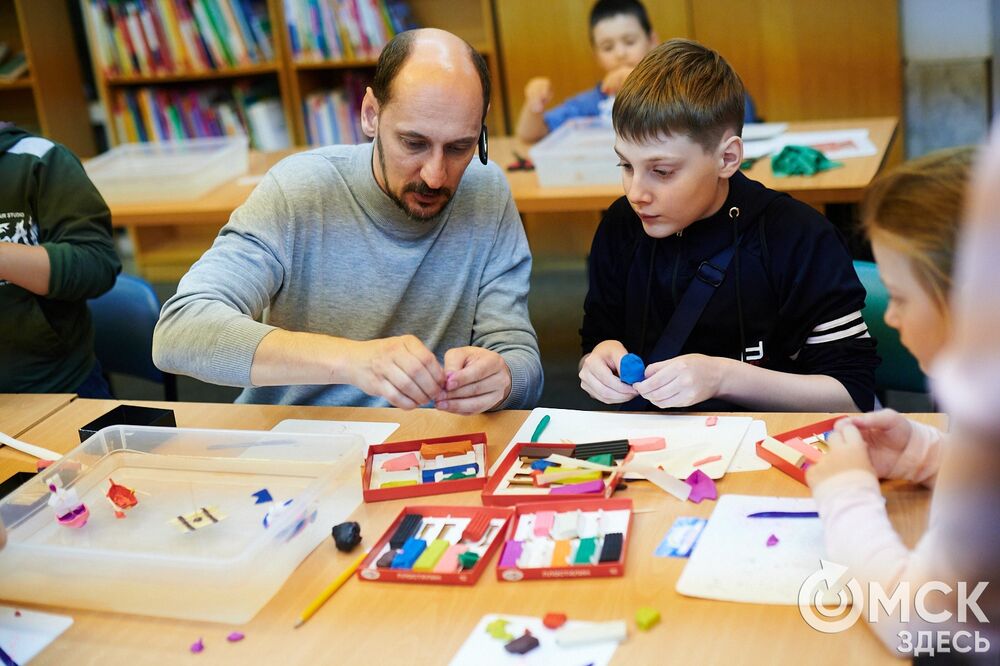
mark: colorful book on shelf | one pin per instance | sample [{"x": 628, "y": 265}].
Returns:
[{"x": 14, "y": 67}]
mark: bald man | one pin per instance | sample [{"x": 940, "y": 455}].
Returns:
[{"x": 390, "y": 273}]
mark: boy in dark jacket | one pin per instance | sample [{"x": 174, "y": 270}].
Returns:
[
  {"x": 56, "y": 251},
  {"x": 774, "y": 316}
]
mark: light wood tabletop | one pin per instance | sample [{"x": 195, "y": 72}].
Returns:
[
  {"x": 168, "y": 236},
  {"x": 377, "y": 623},
  {"x": 20, "y": 411},
  {"x": 844, "y": 184}
]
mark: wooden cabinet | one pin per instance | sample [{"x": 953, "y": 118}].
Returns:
[{"x": 49, "y": 99}]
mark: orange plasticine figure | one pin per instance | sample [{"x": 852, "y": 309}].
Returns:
[{"x": 121, "y": 498}]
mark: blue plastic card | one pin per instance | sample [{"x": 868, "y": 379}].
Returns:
[{"x": 683, "y": 535}]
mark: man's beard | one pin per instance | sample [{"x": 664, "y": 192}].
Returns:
[{"x": 418, "y": 188}]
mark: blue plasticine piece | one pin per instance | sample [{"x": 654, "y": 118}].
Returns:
[
  {"x": 542, "y": 464},
  {"x": 631, "y": 369},
  {"x": 412, "y": 549},
  {"x": 262, "y": 496},
  {"x": 428, "y": 475}
]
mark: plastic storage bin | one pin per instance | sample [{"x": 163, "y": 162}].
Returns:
[
  {"x": 146, "y": 563},
  {"x": 580, "y": 152},
  {"x": 170, "y": 170}
]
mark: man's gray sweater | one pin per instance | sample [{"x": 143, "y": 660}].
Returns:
[{"x": 319, "y": 247}]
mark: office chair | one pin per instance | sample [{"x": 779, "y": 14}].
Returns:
[
  {"x": 124, "y": 318},
  {"x": 899, "y": 371}
]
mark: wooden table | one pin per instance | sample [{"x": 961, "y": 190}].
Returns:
[
  {"x": 168, "y": 237},
  {"x": 376, "y": 623},
  {"x": 841, "y": 185},
  {"x": 20, "y": 411}
]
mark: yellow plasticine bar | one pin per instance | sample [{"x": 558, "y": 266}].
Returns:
[
  {"x": 568, "y": 476},
  {"x": 561, "y": 552},
  {"x": 429, "y": 558},
  {"x": 783, "y": 451},
  {"x": 432, "y": 451},
  {"x": 397, "y": 484}
]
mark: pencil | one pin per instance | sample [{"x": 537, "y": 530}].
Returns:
[
  {"x": 330, "y": 589},
  {"x": 540, "y": 428}
]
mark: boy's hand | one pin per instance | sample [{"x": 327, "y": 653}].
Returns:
[
  {"x": 599, "y": 374},
  {"x": 887, "y": 433},
  {"x": 538, "y": 94},
  {"x": 614, "y": 79},
  {"x": 476, "y": 380},
  {"x": 682, "y": 381},
  {"x": 848, "y": 452}
]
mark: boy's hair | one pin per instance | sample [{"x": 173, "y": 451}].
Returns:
[
  {"x": 916, "y": 208},
  {"x": 605, "y": 9},
  {"x": 680, "y": 87}
]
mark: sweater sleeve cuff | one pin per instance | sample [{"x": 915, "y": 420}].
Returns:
[
  {"x": 523, "y": 394},
  {"x": 919, "y": 461},
  {"x": 234, "y": 351}
]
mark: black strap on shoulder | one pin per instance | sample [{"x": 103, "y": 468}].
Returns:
[{"x": 709, "y": 276}]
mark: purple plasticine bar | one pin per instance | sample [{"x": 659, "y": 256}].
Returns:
[
  {"x": 543, "y": 523},
  {"x": 399, "y": 463},
  {"x": 596, "y": 486},
  {"x": 511, "y": 553}
]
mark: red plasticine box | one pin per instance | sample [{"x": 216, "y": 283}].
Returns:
[
  {"x": 443, "y": 530},
  {"x": 494, "y": 492},
  {"x": 421, "y": 489},
  {"x": 605, "y": 522},
  {"x": 797, "y": 445}
]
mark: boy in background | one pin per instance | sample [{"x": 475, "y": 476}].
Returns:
[
  {"x": 56, "y": 251},
  {"x": 773, "y": 318},
  {"x": 620, "y": 35}
]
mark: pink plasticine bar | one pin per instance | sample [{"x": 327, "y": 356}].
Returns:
[
  {"x": 574, "y": 488},
  {"x": 400, "y": 463},
  {"x": 811, "y": 454},
  {"x": 543, "y": 523},
  {"x": 449, "y": 561},
  {"x": 705, "y": 461},
  {"x": 647, "y": 444},
  {"x": 711, "y": 421}
]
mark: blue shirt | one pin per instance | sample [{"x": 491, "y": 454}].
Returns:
[{"x": 587, "y": 104}]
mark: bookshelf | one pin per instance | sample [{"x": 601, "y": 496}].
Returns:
[
  {"x": 49, "y": 99},
  {"x": 293, "y": 79}
]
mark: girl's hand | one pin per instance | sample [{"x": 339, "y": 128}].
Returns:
[{"x": 848, "y": 451}]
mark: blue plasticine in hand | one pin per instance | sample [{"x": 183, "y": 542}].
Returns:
[{"x": 631, "y": 369}]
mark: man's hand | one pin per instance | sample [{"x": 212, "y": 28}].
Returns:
[
  {"x": 848, "y": 451},
  {"x": 538, "y": 94},
  {"x": 476, "y": 380},
  {"x": 614, "y": 79},
  {"x": 682, "y": 381},
  {"x": 599, "y": 374},
  {"x": 401, "y": 369}
]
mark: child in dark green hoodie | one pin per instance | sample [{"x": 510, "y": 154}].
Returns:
[{"x": 56, "y": 251}]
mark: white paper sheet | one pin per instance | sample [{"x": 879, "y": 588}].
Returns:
[
  {"x": 481, "y": 649},
  {"x": 732, "y": 561},
  {"x": 24, "y": 636},
  {"x": 746, "y": 458},
  {"x": 835, "y": 144},
  {"x": 688, "y": 438}
]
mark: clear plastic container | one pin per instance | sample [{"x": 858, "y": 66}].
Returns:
[
  {"x": 146, "y": 562},
  {"x": 580, "y": 152},
  {"x": 169, "y": 170}
]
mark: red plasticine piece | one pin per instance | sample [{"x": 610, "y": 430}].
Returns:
[
  {"x": 554, "y": 620},
  {"x": 476, "y": 527},
  {"x": 705, "y": 461}
]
